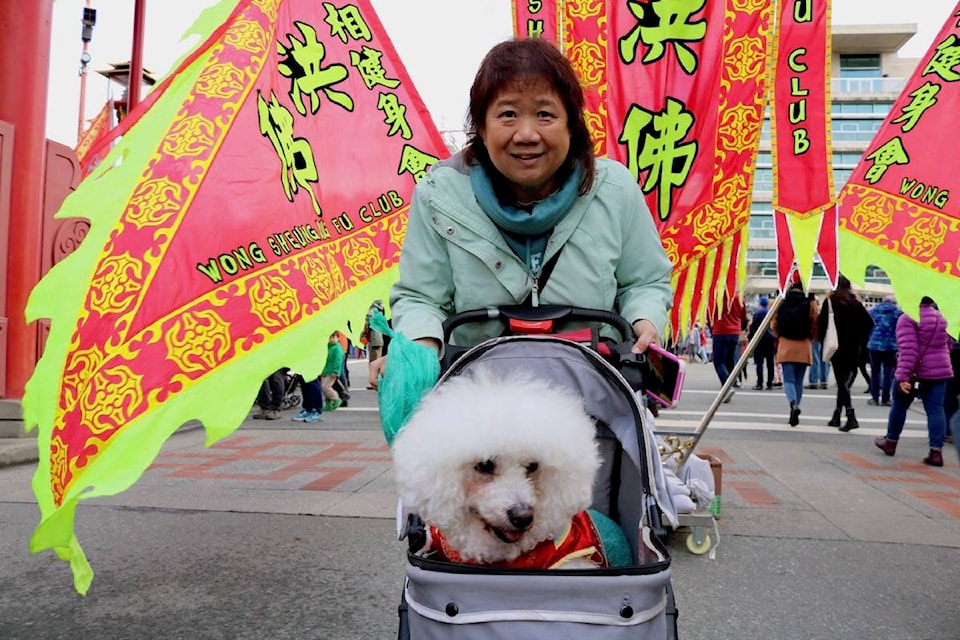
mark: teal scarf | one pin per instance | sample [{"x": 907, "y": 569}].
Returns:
[{"x": 526, "y": 231}]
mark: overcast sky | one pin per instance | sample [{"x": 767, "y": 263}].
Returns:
[{"x": 441, "y": 43}]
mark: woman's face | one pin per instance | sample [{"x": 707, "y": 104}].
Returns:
[{"x": 526, "y": 134}]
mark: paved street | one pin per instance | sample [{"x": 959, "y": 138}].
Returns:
[{"x": 285, "y": 530}]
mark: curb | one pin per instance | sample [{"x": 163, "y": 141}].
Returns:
[{"x": 15, "y": 451}]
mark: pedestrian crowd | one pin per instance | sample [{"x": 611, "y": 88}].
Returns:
[
  {"x": 284, "y": 389},
  {"x": 901, "y": 356}
]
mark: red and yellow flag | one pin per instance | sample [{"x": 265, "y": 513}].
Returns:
[
  {"x": 676, "y": 92},
  {"x": 256, "y": 206},
  {"x": 99, "y": 127},
  {"x": 900, "y": 210},
  {"x": 803, "y": 199}
]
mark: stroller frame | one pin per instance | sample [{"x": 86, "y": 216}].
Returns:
[{"x": 447, "y": 600}]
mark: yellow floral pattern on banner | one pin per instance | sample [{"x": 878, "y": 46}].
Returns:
[
  {"x": 117, "y": 281},
  {"x": 585, "y": 45},
  {"x": 583, "y": 9},
  {"x": 154, "y": 202},
  {"x": 81, "y": 363},
  {"x": 923, "y": 236},
  {"x": 198, "y": 341},
  {"x": 274, "y": 302},
  {"x": 192, "y": 136},
  {"x": 747, "y": 56},
  {"x": 220, "y": 82},
  {"x": 110, "y": 398}
]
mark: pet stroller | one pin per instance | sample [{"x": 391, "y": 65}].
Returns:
[
  {"x": 446, "y": 600},
  {"x": 291, "y": 382}
]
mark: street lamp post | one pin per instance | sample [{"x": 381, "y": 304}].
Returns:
[{"x": 86, "y": 35}]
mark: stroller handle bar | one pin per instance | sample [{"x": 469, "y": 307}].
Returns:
[{"x": 541, "y": 314}]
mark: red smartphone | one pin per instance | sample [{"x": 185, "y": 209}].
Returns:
[{"x": 665, "y": 381}]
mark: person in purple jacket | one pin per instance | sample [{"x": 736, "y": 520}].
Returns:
[{"x": 925, "y": 358}]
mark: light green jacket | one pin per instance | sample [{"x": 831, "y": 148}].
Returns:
[{"x": 455, "y": 259}]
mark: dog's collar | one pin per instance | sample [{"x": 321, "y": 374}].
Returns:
[{"x": 580, "y": 540}]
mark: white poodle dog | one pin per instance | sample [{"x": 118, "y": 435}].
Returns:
[{"x": 496, "y": 466}]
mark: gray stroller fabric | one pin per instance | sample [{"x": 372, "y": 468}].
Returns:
[
  {"x": 449, "y": 601},
  {"x": 550, "y": 606}
]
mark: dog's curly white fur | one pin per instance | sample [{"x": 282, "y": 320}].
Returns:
[{"x": 497, "y": 464}]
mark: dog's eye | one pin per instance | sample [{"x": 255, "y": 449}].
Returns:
[
  {"x": 532, "y": 467},
  {"x": 486, "y": 467}
]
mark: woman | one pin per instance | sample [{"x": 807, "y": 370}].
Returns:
[
  {"x": 854, "y": 325},
  {"x": 795, "y": 325},
  {"x": 526, "y": 213},
  {"x": 373, "y": 338},
  {"x": 924, "y": 357},
  {"x": 764, "y": 352},
  {"x": 819, "y": 369},
  {"x": 882, "y": 347}
]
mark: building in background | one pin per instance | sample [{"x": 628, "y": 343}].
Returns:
[{"x": 867, "y": 77}]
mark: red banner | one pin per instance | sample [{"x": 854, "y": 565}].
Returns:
[
  {"x": 99, "y": 130},
  {"x": 255, "y": 212},
  {"x": 800, "y": 110},
  {"x": 538, "y": 19},
  {"x": 675, "y": 91},
  {"x": 800, "y": 130},
  {"x": 686, "y": 87},
  {"x": 99, "y": 125},
  {"x": 900, "y": 209},
  {"x": 584, "y": 29}
]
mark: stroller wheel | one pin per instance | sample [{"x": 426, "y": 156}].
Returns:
[{"x": 699, "y": 548}]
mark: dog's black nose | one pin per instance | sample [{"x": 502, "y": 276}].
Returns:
[{"x": 520, "y": 515}]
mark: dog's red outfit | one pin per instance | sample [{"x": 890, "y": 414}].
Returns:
[{"x": 580, "y": 540}]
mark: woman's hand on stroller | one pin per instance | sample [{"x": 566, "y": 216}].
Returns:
[
  {"x": 646, "y": 334},
  {"x": 378, "y": 367}
]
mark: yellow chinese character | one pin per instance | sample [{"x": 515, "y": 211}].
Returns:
[
  {"x": 923, "y": 98},
  {"x": 303, "y": 65},
  {"x": 655, "y": 143},
  {"x": 415, "y": 162},
  {"x": 394, "y": 115},
  {"x": 368, "y": 63},
  {"x": 296, "y": 154},
  {"x": 945, "y": 59},
  {"x": 662, "y": 22},
  {"x": 346, "y": 21},
  {"x": 890, "y": 152}
]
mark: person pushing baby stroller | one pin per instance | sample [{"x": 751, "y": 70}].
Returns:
[{"x": 529, "y": 216}]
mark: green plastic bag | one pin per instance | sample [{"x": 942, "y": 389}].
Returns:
[{"x": 412, "y": 371}]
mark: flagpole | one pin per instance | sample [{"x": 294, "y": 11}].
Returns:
[
  {"x": 136, "y": 58},
  {"x": 681, "y": 443}
]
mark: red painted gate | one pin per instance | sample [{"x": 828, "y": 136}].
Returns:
[{"x": 59, "y": 237}]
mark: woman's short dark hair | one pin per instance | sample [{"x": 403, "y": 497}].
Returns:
[{"x": 528, "y": 61}]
